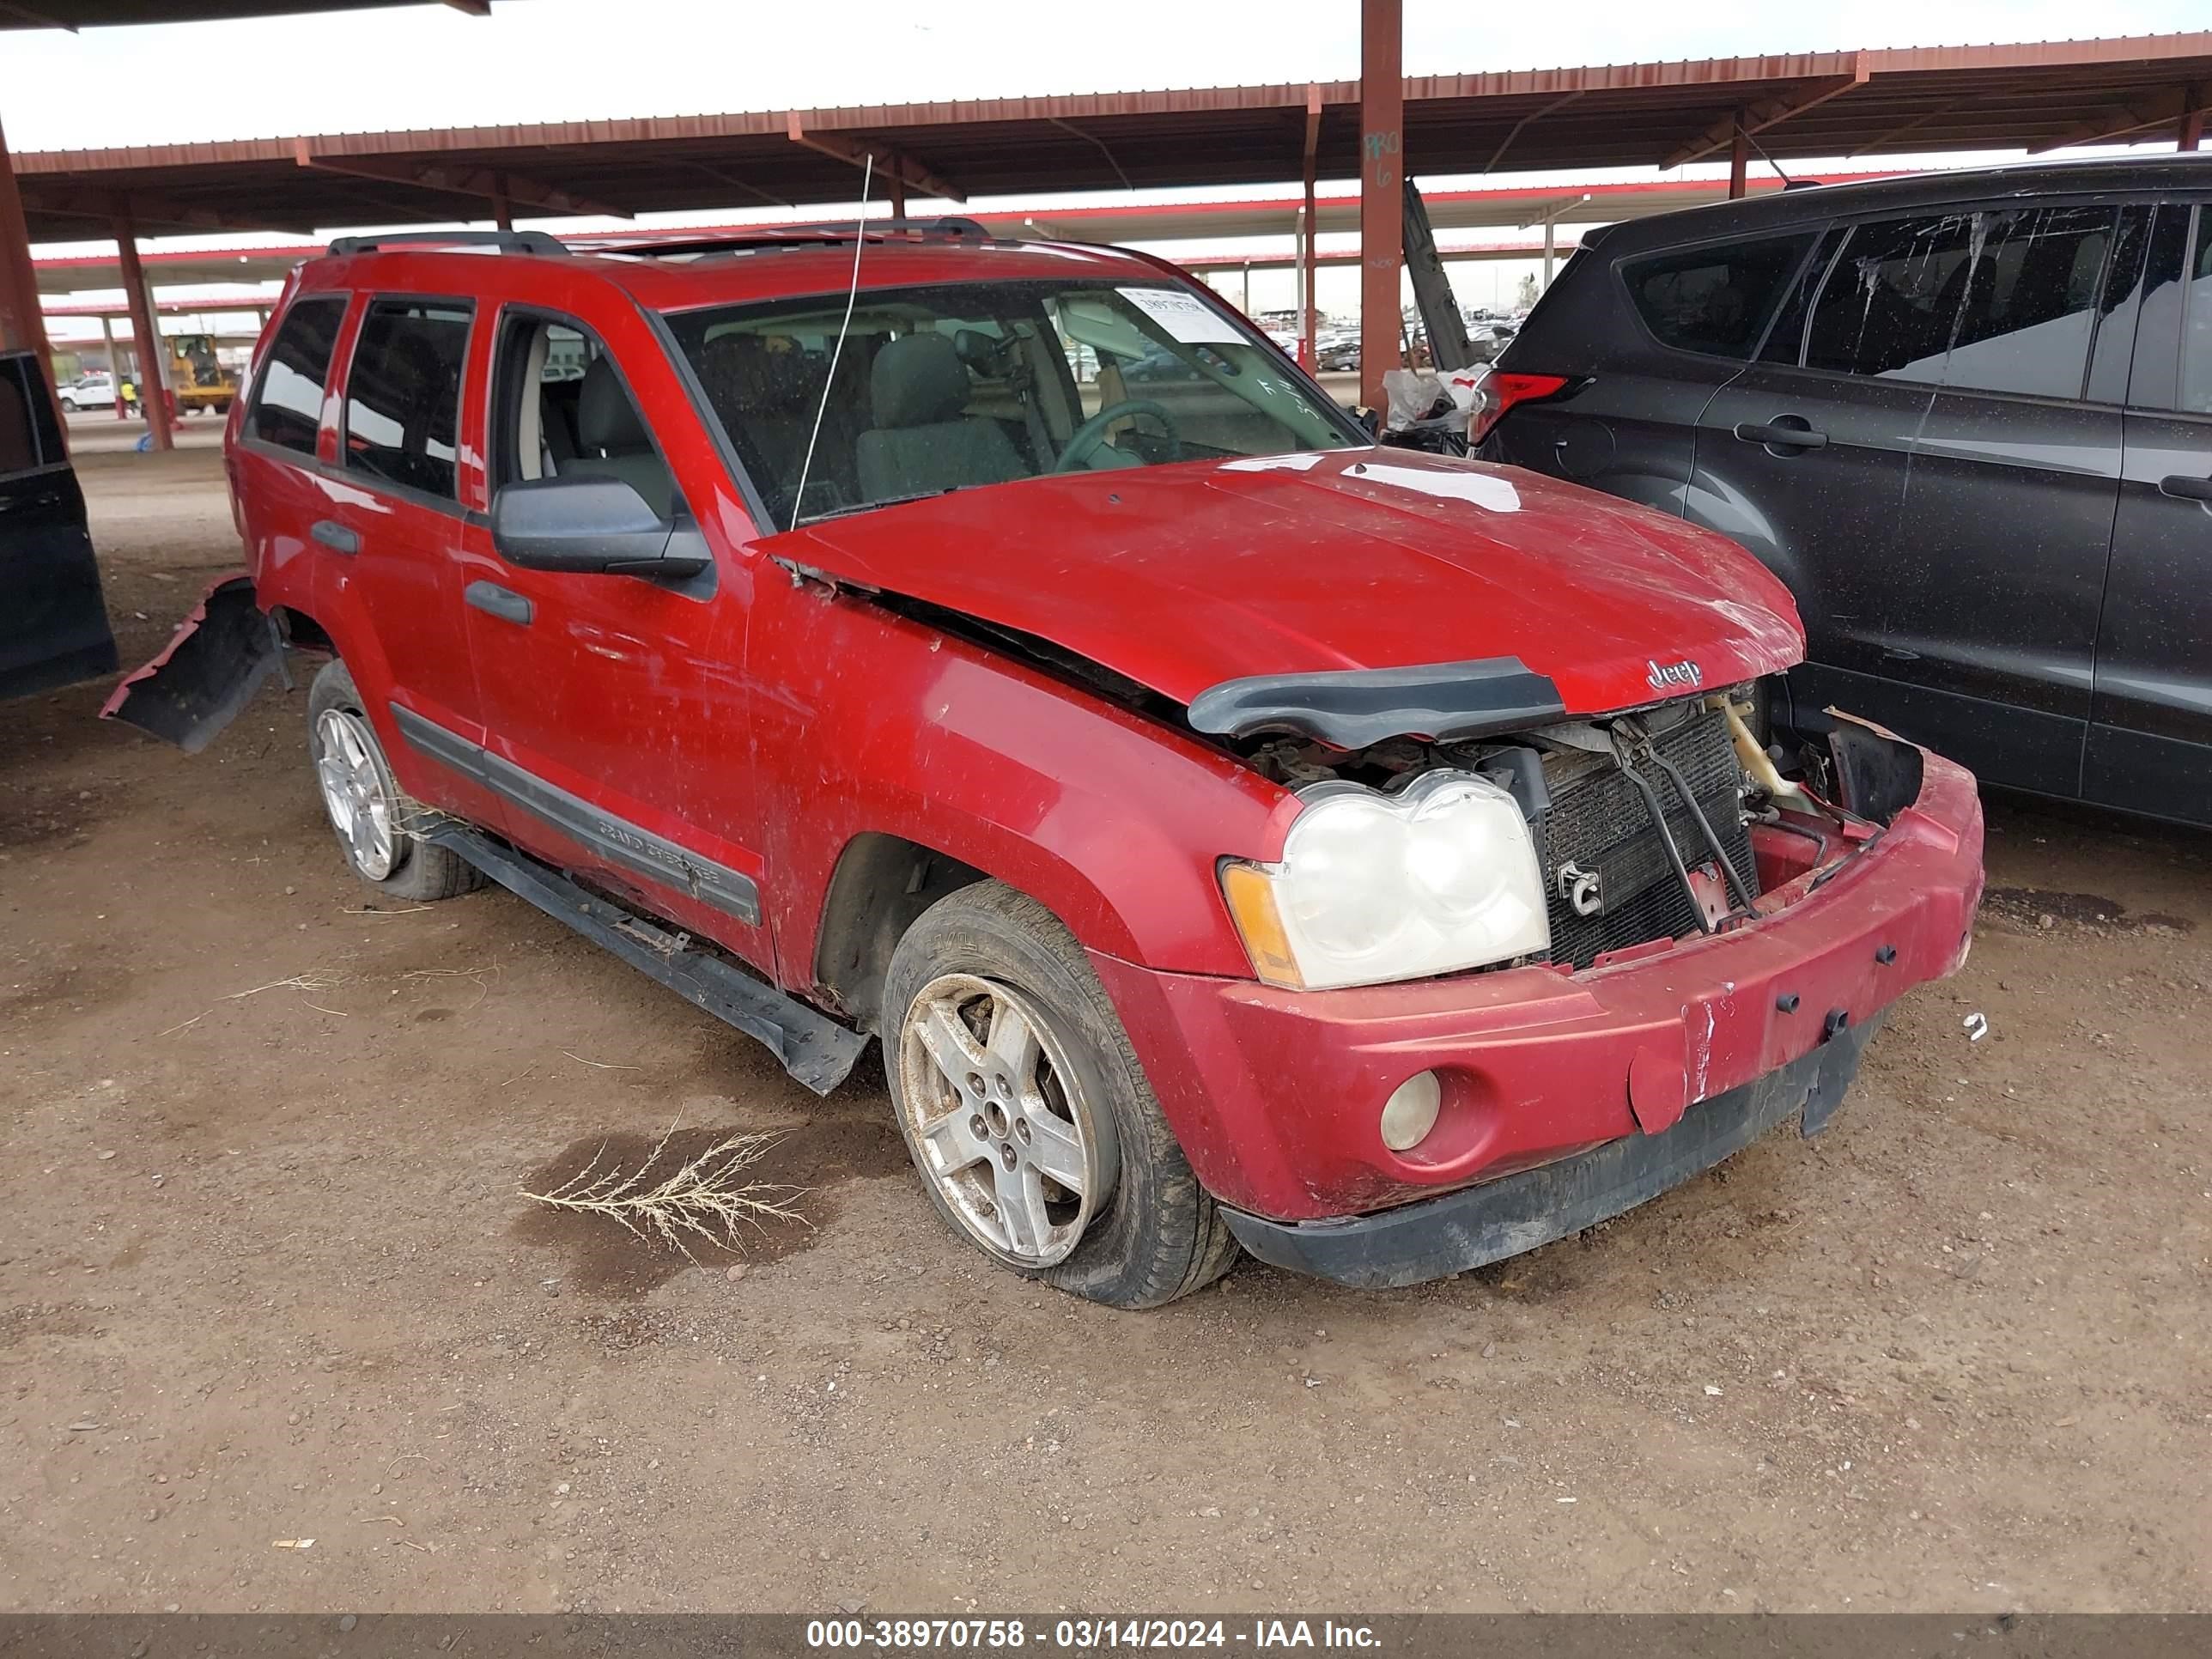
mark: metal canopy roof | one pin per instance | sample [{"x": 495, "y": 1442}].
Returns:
[
  {"x": 1519, "y": 208},
  {"x": 2039, "y": 95},
  {"x": 101, "y": 14}
]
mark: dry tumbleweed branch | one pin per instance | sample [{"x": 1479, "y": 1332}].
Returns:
[
  {"x": 314, "y": 980},
  {"x": 704, "y": 1199}
]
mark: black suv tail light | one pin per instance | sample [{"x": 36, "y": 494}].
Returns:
[{"x": 1498, "y": 393}]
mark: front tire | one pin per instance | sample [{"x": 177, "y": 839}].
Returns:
[
  {"x": 1035, "y": 1133},
  {"x": 376, "y": 823}
]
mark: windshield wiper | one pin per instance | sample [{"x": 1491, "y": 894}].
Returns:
[{"x": 887, "y": 500}]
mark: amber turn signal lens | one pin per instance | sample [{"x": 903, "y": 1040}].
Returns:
[{"x": 1251, "y": 898}]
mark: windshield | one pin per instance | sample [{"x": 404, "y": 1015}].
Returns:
[{"x": 954, "y": 386}]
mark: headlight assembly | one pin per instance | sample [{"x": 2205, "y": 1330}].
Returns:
[{"x": 1439, "y": 877}]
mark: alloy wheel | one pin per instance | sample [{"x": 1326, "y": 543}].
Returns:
[
  {"x": 356, "y": 792},
  {"x": 1001, "y": 1123}
]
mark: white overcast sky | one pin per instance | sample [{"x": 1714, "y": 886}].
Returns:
[{"x": 558, "y": 60}]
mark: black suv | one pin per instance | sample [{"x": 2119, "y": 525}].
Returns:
[
  {"x": 53, "y": 621},
  {"x": 1967, "y": 418}
]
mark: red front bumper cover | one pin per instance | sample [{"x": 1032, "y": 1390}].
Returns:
[{"x": 1276, "y": 1095}]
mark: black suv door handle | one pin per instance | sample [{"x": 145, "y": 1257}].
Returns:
[
  {"x": 335, "y": 536},
  {"x": 501, "y": 602},
  {"x": 1788, "y": 433},
  {"x": 2188, "y": 489}
]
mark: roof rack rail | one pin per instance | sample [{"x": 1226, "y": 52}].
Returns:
[
  {"x": 950, "y": 229},
  {"x": 507, "y": 242}
]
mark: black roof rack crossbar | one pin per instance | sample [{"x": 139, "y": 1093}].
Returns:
[
  {"x": 507, "y": 242},
  {"x": 951, "y": 228}
]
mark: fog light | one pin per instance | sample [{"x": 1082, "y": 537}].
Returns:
[{"x": 1411, "y": 1111}]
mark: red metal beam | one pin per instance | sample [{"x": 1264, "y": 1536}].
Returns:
[
  {"x": 1771, "y": 112},
  {"x": 1381, "y": 199},
  {"x": 1739, "y": 160},
  {"x": 145, "y": 336},
  {"x": 2171, "y": 109},
  {"x": 103, "y": 205},
  {"x": 893, "y": 164},
  {"x": 1531, "y": 118},
  {"x": 502, "y": 189}
]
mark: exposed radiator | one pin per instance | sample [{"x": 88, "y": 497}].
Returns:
[{"x": 1600, "y": 824}]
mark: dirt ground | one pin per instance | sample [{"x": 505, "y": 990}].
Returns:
[{"x": 265, "y": 1275}]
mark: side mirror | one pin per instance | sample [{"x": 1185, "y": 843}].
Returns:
[
  {"x": 1372, "y": 420},
  {"x": 590, "y": 526}
]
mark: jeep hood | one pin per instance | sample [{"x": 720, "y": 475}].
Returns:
[{"x": 1314, "y": 567}]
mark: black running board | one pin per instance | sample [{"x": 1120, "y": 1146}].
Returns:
[{"x": 814, "y": 1048}]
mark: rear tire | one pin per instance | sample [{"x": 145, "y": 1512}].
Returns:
[
  {"x": 1129, "y": 1226},
  {"x": 374, "y": 822}
]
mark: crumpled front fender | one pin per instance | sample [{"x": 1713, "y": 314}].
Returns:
[{"x": 215, "y": 662}]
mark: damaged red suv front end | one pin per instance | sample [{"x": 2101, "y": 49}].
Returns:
[{"x": 1562, "y": 1098}]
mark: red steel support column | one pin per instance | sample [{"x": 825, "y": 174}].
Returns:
[
  {"x": 114, "y": 365},
  {"x": 145, "y": 338},
  {"x": 1309, "y": 306},
  {"x": 898, "y": 194},
  {"x": 1381, "y": 201},
  {"x": 502, "y": 210},
  {"x": 22, "y": 324},
  {"x": 1739, "y": 158},
  {"x": 2192, "y": 121}
]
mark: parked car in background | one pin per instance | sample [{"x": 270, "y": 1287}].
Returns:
[
  {"x": 1487, "y": 339},
  {"x": 1234, "y": 832},
  {"x": 53, "y": 618},
  {"x": 88, "y": 392},
  {"x": 1337, "y": 353},
  {"x": 1966, "y": 417}
]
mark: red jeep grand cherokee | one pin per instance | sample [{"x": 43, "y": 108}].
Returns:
[{"x": 1236, "y": 832}]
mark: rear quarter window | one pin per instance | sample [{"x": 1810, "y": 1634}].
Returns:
[
  {"x": 288, "y": 406},
  {"x": 1717, "y": 299}
]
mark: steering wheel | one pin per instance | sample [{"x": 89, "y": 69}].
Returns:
[{"x": 1087, "y": 437}]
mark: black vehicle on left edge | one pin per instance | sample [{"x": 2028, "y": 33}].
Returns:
[{"x": 53, "y": 620}]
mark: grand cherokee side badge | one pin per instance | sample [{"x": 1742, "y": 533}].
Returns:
[{"x": 1667, "y": 676}]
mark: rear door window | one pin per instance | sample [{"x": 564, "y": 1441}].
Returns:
[
  {"x": 288, "y": 408},
  {"x": 403, "y": 395},
  {"x": 2196, "y": 323},
  {"x": 1886, "y": 310},
  {"x": 1785, "y": 340},
  {"x": 2032, "y": 302},
  {"x": 1715, "y": 300}
]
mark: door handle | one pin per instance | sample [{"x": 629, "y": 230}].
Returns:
[
  {"x": 2186, "y": 487},
  {"x": 503, "y": 603},
  {"x": 336, "y": 536},
  {"x": 1788, "y": 433}
]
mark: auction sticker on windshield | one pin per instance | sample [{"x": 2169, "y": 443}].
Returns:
[{"x": 1185, "y": 316}]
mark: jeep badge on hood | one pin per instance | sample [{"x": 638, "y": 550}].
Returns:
[{"x": 1666, "y": 675}]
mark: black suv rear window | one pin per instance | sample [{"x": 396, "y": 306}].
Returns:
[
  {"x": 403, "y": 396},
  {"x": 1715, "y": 300},
  {"x": 289, "y": 408}
]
